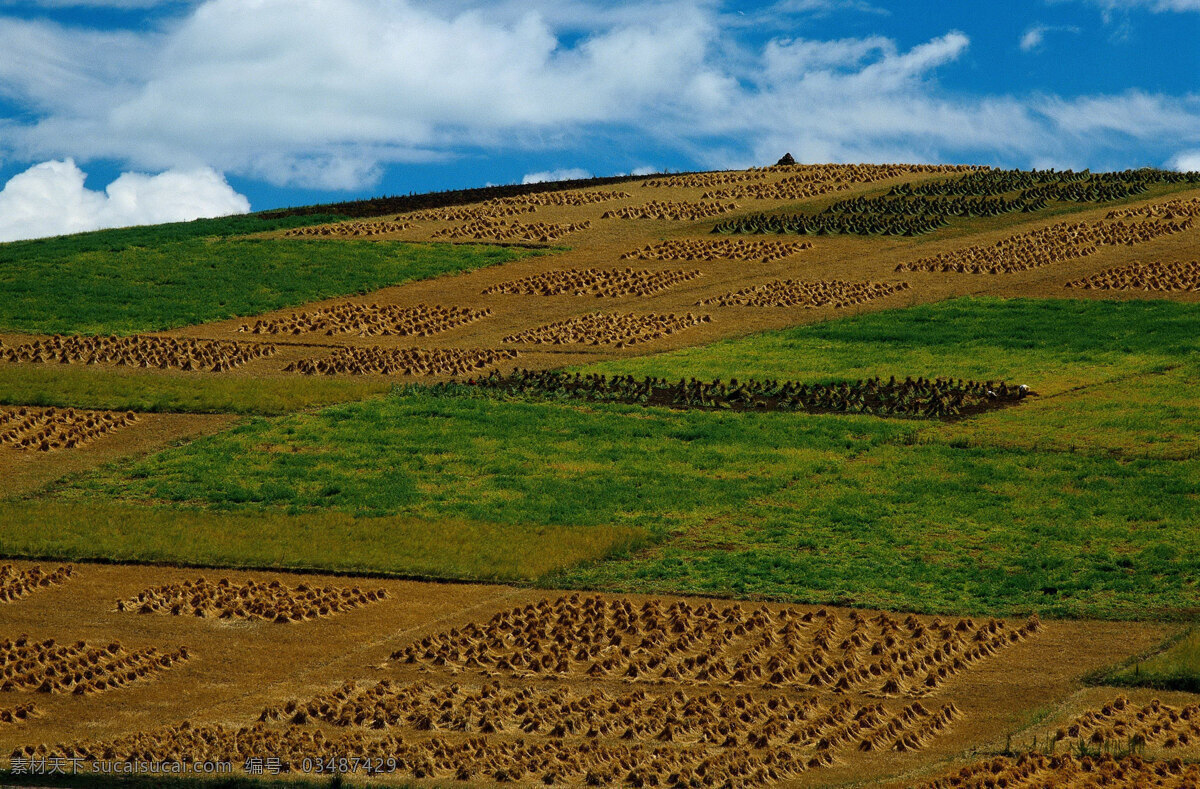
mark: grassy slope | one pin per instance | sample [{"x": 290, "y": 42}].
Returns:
[
  {"x": 1175, "y": 668},
  {"x": 1075, "y": 503},
  {"x": 516, "y": 463},
  {"x": 986, "y": 515},
  {"x": 196, "y": 280},
  {"x": 590, "y": 479}
]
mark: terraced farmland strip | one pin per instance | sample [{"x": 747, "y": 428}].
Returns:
[
  {"x": 271, "y": 601},
  {"x": 370, "y": 320},
  {"x": 1170, "y": 209},
  {"x": 683, "y": 644},
  {"x": 719, "y": 249},
  {"x": 595, "y": 282},
  {"x": 1055, "y": 244},
  {"x": 674, "y": 210},
  {"x": 793, "y": 293},
  {"x": 354, "y": 229},
  {"x": 500, "y": 230},
  {"x": 16, "y": 584},
  {"x": 1164, "y": 277},
  {"x": 139, "y": 350},
  {"x": 402, "y": 361},
  {"x": 1032, "y": 770},
  {"x": 605, "y": 329},
  {"x": 50, "y": 429},
  {"x": 49, "y": 667}
]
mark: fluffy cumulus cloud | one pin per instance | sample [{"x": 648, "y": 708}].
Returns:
[
  {"x": 1187, "y": 161},
  {"x": 50, "y": 199},
  {"x": 326, "y": 94},
  {"x": 1033, "y": 38}
]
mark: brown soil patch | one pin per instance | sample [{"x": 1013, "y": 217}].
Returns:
[
  {"x": 357, "y": 229},
  {"x": 1071, "y": 772},
  {"x": 1121, "y": 722},
  {"x": 272, "y": 600},
  {"x": 595, "y": 282},
  {"x": 402, "y": 361},
  {"x": 719, "y": 249},
  {"x": 500, "y": 230},
  {"x": 51, "y": 429},
  {"x": 607, "y": 329},
  {"x": 705, "y": 179},
  {"x": 1169, "y": 209},
  {"x": 49, "y": 667},
  {"x": 1165, "y": 277},
  {"x": 16, "y": 582},
  {"x": 568, "y": 198},
  {"x": 673, "y": 210},
  {"x": 329, "y": 686},
  {"x": 139, "y": 350},
  {"x": 19, "y": 713},
  {"x": 1055, "y": 244},
  {"x": 371, "y": 320},
  {"x": 490, "y": 209},
  {"x": 790, "y": 293}
]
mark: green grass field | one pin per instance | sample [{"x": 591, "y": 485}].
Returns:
[
  {"x": 146, "y": 283},
  {"x": 1051, "y": 344},
  {"x": 1175, "y": 668},
  {"x": 472, "y": 458},
  {"x": 1007, "y": 513}
]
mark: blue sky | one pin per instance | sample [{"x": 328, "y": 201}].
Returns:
[{"x": 287, "y": 102}]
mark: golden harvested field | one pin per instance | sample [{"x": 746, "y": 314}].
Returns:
[{"x": 499, "y": 684}]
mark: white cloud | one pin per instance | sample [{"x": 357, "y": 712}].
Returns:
[
  {"x": 1186, "y": 161},
  {"x": 564, "y": 174},
  {"x": 326, "y": 94},
  {"x": 50, "y": 199},
  {"x": 318, "y": 94},
  {"x": 1133, "y": 114},
  {"x": 1157, "y": 6},
  {"x": 1035, "y": 36}
]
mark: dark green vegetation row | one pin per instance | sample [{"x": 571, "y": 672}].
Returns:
[
  {"x": 1081, "y": 502},
  {"x": 935, "y": 398},
  {"x": 909, "y": 210}
]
